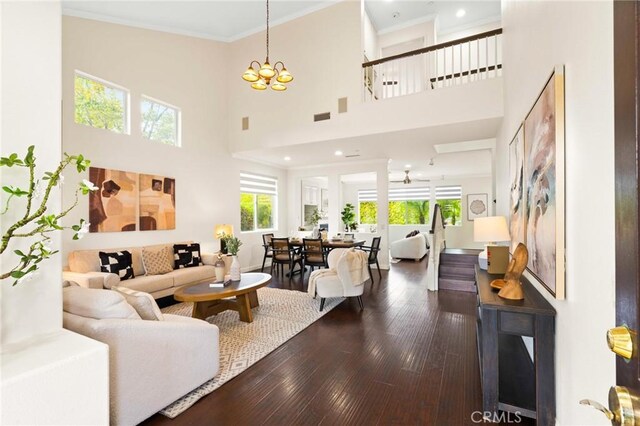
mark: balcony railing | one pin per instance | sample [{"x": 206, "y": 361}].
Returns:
[{"x": 456, "y": 62}]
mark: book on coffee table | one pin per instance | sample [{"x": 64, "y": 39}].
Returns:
[{"x": 220, "y": 284}]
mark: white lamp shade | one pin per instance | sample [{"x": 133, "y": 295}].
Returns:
[
  {"x": 221, "y": 230},
  {"x": 490, "y": 229}
]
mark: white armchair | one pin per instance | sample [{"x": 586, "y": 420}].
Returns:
[
  {"x": 347, "y": 273},
  {"x": 415, "y": 248},
  {"x": 151, "y": 363}
]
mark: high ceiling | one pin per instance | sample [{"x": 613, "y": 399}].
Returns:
[{"x": 231, "y": 20}]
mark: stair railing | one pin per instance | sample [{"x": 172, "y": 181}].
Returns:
[
  {"x": 461, "y": 61},
  {"x": 438, "y": 244}
]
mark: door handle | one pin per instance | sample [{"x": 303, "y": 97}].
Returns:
[
  {"x": 624, "y": 407},
  {"x": 620, "y": 341}
]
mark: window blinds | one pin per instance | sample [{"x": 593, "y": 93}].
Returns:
[{"x": 256, "y": 184}]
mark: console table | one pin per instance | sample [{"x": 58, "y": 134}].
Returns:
[{"x": 511, "y": 381}]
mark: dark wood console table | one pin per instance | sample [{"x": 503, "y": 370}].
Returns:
[{"x": 511, "y": 381}]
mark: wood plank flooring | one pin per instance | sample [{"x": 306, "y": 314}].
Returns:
[{"x": 408, "y": 359}]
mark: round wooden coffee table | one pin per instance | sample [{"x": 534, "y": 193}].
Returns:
[{"x": 209, "y": 301}]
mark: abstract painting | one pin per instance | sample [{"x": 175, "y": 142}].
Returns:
[
  {"x": 112, "y": 208},
  {"x": 476, "y": 206},
  {"x": 157, "y": 203},
  {"x": 544, "y": 185},
  {"x": 517, "y": 224}
]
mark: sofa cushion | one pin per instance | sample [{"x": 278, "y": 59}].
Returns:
[
  {"x": 97, "y": 304},
  {"x": 149, "y": 283},
  {"x": 144, "y": 304},
  {"x": 117, "y": 263},
  {"x": 89, "y": 260},
  {"x": 187, "y": 255},
  {"x": 157, "y": 261},
  {"x": 192, "y": 275}
]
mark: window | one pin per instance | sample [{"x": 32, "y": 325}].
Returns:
[
  {"x": 258, "y": 202},
  {"x": 409, "y": 206},
  {"x": 367, "y": 206},
  {"x": 101, "y": 104},
  {"x": 449, "y": 199},
  {"x": 160, "y": 121}
]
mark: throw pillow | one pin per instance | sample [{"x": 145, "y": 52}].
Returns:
[
  {"x": 186, "y": 255},
  {"x": 97, "y": 304},
  {"x": 144, "y": 304},
  {"x": 156, "y": 261},
  {"x": 118, "y": 263}
]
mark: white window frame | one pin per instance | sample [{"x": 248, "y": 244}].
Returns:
[
  {"x": 411, "y": 194},
  {"x": 127, "y": 99},
  {"x": 178, "y": 110},
  {"x": 450, "y": 192},
  {"x": 256, "y": 184}
]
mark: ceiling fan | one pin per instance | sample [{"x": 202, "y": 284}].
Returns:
[{"x": 407, "y": 180}]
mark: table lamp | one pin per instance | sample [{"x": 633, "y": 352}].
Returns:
[
  {"x": 489, "y": 230},
  {"x": 219, "y": 232}
]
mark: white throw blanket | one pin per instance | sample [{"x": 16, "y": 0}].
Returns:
[{"x": 351, "y": 269}]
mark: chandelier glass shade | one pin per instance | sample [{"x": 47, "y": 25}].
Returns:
[{"x": 260, "y": 75}]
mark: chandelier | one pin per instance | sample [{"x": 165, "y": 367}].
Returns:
[{"x": 260, "y": 77}]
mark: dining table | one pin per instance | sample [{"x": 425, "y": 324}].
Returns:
[{"x": 328, "y": 245}]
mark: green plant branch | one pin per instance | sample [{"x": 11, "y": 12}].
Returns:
[{"x": 6, "y": 206}]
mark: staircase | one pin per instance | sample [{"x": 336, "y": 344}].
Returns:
[{"x": 456, "y": 271}]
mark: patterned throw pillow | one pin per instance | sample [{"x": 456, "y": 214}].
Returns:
[
  {"x": 117, "y": 263},
  {"x": 157, "y": 261},
  {"x": 186, "y": 255}
]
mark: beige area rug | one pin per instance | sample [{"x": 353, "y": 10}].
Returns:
[{"x": 281, "y": 315}]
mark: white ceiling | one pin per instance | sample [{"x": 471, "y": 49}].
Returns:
[
  {"x": 477, "y": 12},
  {"x": 227, "y": 20}
]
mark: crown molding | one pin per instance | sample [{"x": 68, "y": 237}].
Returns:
[
  {"x": 484, "y": 21},
  {"x": 173, "y": 30}
]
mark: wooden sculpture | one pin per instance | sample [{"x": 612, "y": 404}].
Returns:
[{"x": 510, "y": 286}]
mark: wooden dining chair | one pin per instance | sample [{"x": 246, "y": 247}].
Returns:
[
  {"x": 283, "y": 254},
  {"x": 373, "y": 250},
  {"x": 268, "y": 252},
  {"x": 313, "y": 254}
]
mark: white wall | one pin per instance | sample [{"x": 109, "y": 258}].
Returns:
[
  {"x": 36, "y": 353},
  {"x": 538, "y": 36},
  {"x": 189, "y": 73},
  {"x": 424, "y": 31},
  {"x": 370, "y": 38},
  {"x": 322, "y": 50}
]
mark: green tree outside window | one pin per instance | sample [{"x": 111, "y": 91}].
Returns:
[
  {"x": 451, "y": 211},
  {"x": 368, "y": 212},
  {"x": 98, "y": 105}
]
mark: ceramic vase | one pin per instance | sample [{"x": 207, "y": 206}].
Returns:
[{"x": 234, "y": 270}]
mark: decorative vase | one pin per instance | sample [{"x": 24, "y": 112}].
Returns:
[
  {"x": 234, "y": 271},
  {"x": 219, "y": 266}
]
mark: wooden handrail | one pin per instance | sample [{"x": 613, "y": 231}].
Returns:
[
  {"x": 434, "y": 47},
  {"x": 465, "y": 73}
]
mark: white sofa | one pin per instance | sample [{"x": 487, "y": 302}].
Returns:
[
  {"x": 415, "y": 247},
  {"x": 151, "y": 363},
  {"x": 84, "y": 269}
]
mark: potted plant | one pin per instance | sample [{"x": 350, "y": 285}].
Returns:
[
  {"x": 233, "y": 247},
  {"x": 348, "y": 216}
]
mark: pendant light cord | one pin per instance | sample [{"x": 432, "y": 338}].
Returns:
[{"x": 267, "y": 30}]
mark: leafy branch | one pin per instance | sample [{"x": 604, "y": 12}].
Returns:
[{"x": 41, "y": 224}]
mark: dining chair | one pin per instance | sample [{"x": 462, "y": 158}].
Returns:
[
  {"x": 313, "y": 254},
  {"x": 283, "y": 254},
  {"x": 373, "y": 250},
  {"x": 268, "y": 252}
]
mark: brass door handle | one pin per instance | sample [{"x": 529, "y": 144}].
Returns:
[
  {"x": 620, "y": 341},
  {"x": 624, "y": 407}
]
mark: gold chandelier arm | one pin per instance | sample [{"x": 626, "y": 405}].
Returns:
[
  {"x": 276, "y": 65},
  {"x": 255, "y": 62}
]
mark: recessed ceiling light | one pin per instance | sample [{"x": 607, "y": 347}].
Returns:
[
  {"x": 407, "y": 166},
  {"x": 338, "y": 153},
  {"x": 287, "y": 158},
  {"x": 460, "y": 13}
]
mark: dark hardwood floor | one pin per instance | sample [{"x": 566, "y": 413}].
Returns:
[{"x": 409, "y": 358}]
